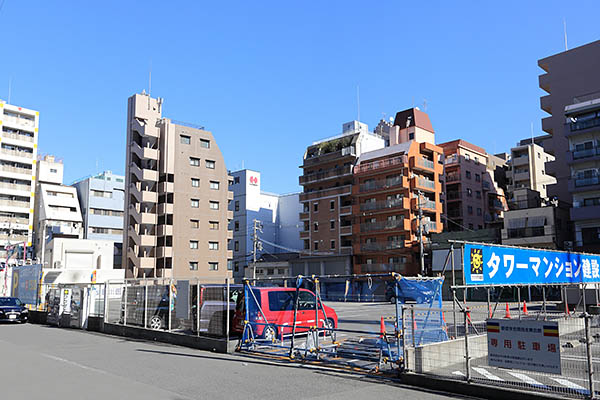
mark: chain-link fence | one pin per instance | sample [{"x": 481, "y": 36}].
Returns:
[
  {"x": 185, "y": 306},
  {"x": 531, "y": 349}
]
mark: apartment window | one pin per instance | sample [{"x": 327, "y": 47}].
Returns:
[
  {"x": 213, "y": 245},
  {"x": 53, "y": 170},
  {"x": 205, "y": 143},
  {"x": 193, "y": 244},
  {"x": 316, "y": 207},
  {"x": 194, "y": 203},
  {"x": 236, "y": 246},
  {"x": 236, "y": 180},
  {"x": 477, "y": 178},
  {"x": 411, "y": 136},
  {"x": 185, "y": 139},
  {"x": 236, "y": 226},
  {"x": 479, "y": 212},
  {"x": 195, "y": 182},
  {"x": 214, "y": 205},
  {"x": 210, "y": 164},
  {"x": 332, "y": 245},
  {"x": 101, "y": 193},
  {"x": 332, "y": 224},
  {"x": 214, "y": 185},
  {"x": 194, "y": 223},
  {"x": 467, "y": 157},
  {"x": 332, "y": 205},
  {"x": 316, "y": 245},
  {"x": 476, "y": 160},
  {"x": 229, "y": 265},
  {"x": 470, "y": 210},
  {"x": 236, "y": 266},
  {"x": 478, "y": 194},
  {"x": 468, "y": 174},
  {"x": 237, "y": 205},
  {"x": 194, "y": 162},
  {"x": 213, "y": 225},
  {"x": 316, "y": 227},
  {"x": 213, "y": 266},
  {"x": 306, "y": 244},
  {"x": 479, "y": 227},
  {"x": 193, "y": 265},
  {"x": 469, "y": 192}
]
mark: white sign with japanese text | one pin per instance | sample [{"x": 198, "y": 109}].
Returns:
[{"x": 524, "y": 344}]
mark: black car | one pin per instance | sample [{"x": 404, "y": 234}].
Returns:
[{"x": 13, "y": 310}]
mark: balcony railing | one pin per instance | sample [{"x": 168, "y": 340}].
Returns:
[
  {"x": 579, "y": 154},
  {"x": 374, "y": 165},
  {"x": 382, "y": 246},
  {"x": 17, "y": 153},
  {"x": 15, "y": 203},
  {"x": 453, "y": 195},
  {"x": 15, "y": 186},
  {"x": 381, "y": 226},
  {"x": 380, "y": 205},
  {"x": 580, "y": 125},
  {"x": 17, "y": 136},
  {"x": 453, "y": 159},
  {"x": 423, "y": 162},
  {"x": 330, "y": 173},
  {"x": 426, "y": 183},
  {"x": 427, "y": 204},
  {"x": 452, "y": 177},
  {"x": 593, "y": 180},
  {"x": 382, "y": 184},
  {"x": 19, "y": 120}
]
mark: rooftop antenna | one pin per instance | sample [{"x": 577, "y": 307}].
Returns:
[
  {"x": 565, "y": 28},
  {"x": 9, "y": 88},
  {"x": 358, "y": 102}
]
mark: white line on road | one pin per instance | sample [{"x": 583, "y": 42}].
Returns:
[
  {"x": 526, "y": 379},
  {"x": 569, "y": 384},
  {"x": 487, "y": 374},
  {"x": 458, "y": 373},
  {"x": 74, "y": 363}
]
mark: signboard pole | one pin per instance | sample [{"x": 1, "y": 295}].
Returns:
[
  {"x": 467, "y": 358},
  {"x": 588, "y": 350},
  {"x": 453, "y": 289},
  {"x": 488, "y": 303},
  {"x": 519, "y": 300}
]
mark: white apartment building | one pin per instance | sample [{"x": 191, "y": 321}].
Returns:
[
  {"x": 527, "y": 170},
  {"x": 278, "y": 216},
  {"x": 56, "y": 212},
  {"x": 18, "y": 153}
]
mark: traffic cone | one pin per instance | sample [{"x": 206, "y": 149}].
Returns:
[
  {"x": 414, "y": 325},
  {"x": 382, "y": 329},
  {"x": 525, "y": 308},
  {"x": 468, "y": 315},
  {"x": 568, "y": 312},
  {"x": 490, "y": 311},
  {"x": 507, "y": 315}
]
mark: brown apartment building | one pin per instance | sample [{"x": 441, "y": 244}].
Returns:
[
  {"x": 474, "y": 199},
  {"x": 391, "y": 185},
  {"x": 176, "y": 197}
]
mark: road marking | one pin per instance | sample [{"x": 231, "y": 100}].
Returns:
[
  {"x": 487, "y": 374},
  {"x": 458, "y": 373},
  {"x": 526, "y": 379},
  {"x": 569, "y": 384},
  {"x": 74, "y": 363}
]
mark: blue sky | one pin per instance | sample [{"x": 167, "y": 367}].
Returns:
[{"x": 269, "y": 78}]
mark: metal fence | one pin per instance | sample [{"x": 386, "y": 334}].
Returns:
[
  {"x": 185, "y": 306},
  {"x": 465, "y": 356}
]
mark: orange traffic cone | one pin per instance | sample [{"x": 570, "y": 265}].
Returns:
[
  {"x": 414, "y": 325},
  {"x": 382, "y": 328},
  {"x": 507, "y": 315},
  {"x": 490, "y": 311},
  {"x": 525, "y": 308}
]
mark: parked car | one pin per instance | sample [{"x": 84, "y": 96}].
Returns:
[
  {"x": 13, "y": 310},
  {"x": 213, "y": 307},
  {"x": 276, "y": 305},
  {"x": 157, "y": 302}
]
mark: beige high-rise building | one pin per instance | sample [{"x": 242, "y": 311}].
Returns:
[
  {"x": 176, "y": 197},
  {"x": 18, "y": 153}
]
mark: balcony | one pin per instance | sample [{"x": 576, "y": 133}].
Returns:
[
  {"x": 371, "y": 247},
  {"x": 345, "y": 250},
  {"x": 585, "y": 124},
  {"x": 521, "y": 160},
  {"x": 144, "y": 152},
  {"x": 345, "y": 230},
  {"x": 546, "y": 104},
  {"x": 340, "y": 190},
  {"x": 455, "y": 213},
  {"x": 496, "y": 204},
  {"x": 486, "y": 185},
  {"x": 380, "y": 164},
  {"x": 383, "y": 184},
  {"x": 304, "y": 234},
  {"x": 18, "y": 136},
  {"x": 453, "y": 159},
  {"x": 165, "y": 208},
  {"x": 520, "y": 176},
  {"x": 385, "y": 204},
  {"x": 402, "y": 224},
  {"x": 525, "y": 232},
  {"x": 15, "y": 186},
  {"x": 17, "y": 153},
  {"x": 547, "y": 125},
  {"x": 19, "y": 121},
  {"x": 166, "y": 230},
  {"x": 15, "y": 203},
  {"x": 544, "y": 81},
  {"x": 591, "y": 154},
  {"x": 580, "y": 182},
  {"x": 452, "y": 177},
  {"x": 345, "y": 210},
  {"x": 324, "y": 175},
  {"x": 453, "y": 196},
  {"x": 16, "y": 170},
  {"x": 166, "y": 187},
  {"x": 304, "y": 216},
  {"x": 422, "y": 183},
  {"x": 382, "y": 268},
  {"x": 164, "y": 251},
  {"x": 422, "y": 164},
  {"x": 585, "y": 212},
  {"x": 425, "y": 204},
  {"x": 345, "y": 152}
]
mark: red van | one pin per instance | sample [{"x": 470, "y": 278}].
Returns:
[{"x": 277, "y": 305}]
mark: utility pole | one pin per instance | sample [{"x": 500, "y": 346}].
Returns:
[
  {"x": 420, "y": 232},
  {"x": 256, "y": 245}
]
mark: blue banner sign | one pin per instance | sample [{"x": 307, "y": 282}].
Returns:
[
  {"x": 498, "y": 265},
  {"x": 25, "y": 282}
]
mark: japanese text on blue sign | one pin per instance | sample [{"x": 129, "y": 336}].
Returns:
[{"x": 487, "y": 265}]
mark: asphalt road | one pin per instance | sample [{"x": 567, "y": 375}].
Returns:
[{"x": 41, "y": 362}]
